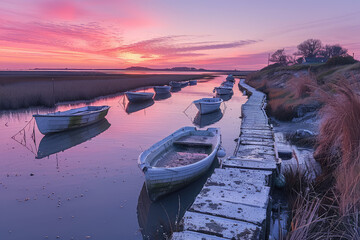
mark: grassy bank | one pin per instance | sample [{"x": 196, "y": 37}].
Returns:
[
  {"x": 25, "y": 89},
  {"x": 293, "y": 91},
  {"x": 327, "y": 207}
]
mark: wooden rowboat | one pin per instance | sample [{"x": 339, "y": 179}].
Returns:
[
  {"x": 192, "y": 82},
  {"x": 223, "y": 90},
  {"x": 175, "y": 84},
  {"x": 208, "y": 105},
  {"x": 178, "y": 159},
  {"x": 162, "y": 89},
  {"x": 230, "y": 78},
  {"x": 139, "y": 96},
  {"x": 74, "y": 118}
]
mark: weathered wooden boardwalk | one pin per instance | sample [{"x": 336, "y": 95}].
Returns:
[{"x": 234, "y": 202}]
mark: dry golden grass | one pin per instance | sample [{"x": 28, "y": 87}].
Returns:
[{"x": 32, "y": 91}]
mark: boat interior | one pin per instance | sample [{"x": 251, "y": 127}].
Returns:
[{"x": 186, "y": 150}]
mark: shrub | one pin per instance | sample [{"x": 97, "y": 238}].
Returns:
[{"x": 338, "y": 60}]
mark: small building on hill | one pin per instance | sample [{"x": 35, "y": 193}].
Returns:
[{"x": 313, "y": 60}]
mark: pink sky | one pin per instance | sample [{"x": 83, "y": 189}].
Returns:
[{"x": 221, "y": 34}]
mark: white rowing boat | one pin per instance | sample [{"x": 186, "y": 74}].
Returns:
[
  {"x": 139, "y": 96},
  {"x": 162, "y": 89},
  {"x": 223, "y": 90},
  {"x": 178, "y": 159},
  {"x": 184, "y": 84},
  {"x": 230, "y": 78},
  {"x": 175, "y": 84},
  {"x": 74, "y": 118},
  {"x": 192, "y": 82},
  {"x": 227, "y": 84},
  {"x": 208, "y": 105}
]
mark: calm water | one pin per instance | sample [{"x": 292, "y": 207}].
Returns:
[{"x": 86, "y": 183}]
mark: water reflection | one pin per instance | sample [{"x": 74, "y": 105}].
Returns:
[
  {"x": 57, "y": 142},
  {"x": 137, "y": 106},
  {"x": 203, "y": 120},
  {"x": 158, "y": 219},
  {"x": 225, "y": 97},
  {"x": 175, "y": 89},
  {"x": 162, "y": 96}
]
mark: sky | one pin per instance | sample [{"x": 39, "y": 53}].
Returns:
[{"x": 211, "y": 34}]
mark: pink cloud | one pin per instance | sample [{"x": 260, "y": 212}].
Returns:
[
  {"x": 63, "y": 10},
  {"x": 173, "y": 46}
]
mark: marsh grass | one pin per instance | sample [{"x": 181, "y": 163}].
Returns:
[
  {"x": 47, "y": 92},
  {"x": 328, "y": 208}
]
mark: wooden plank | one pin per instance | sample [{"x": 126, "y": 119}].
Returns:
[
  {"x": 222, "y": 227},
  {"x": 186, "y": 235}
]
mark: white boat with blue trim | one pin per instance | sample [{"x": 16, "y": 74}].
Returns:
[
  {"x": 208, "y": 105},
  {"x": 162, "y": 89},
  {"x": 74, "y": 118},
  {"x": 178, "y": 159},
  {"x": 139, "y": 96}
]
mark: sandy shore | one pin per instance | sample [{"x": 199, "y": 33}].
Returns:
[{"x": 20, "y": 89}]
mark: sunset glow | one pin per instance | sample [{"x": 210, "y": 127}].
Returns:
[{"x": 203, "y": 34}]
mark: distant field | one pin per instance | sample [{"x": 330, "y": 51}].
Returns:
[{"x": 31, "y": 88}]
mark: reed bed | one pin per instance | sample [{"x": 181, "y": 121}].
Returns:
[{"x": 47, "y": 90}]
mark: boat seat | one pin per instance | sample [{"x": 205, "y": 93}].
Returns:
[{"x": 195, "y": 141}]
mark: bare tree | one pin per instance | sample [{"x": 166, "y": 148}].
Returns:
[
  {"x": 309, "y": 48},
  {"x": 279, "y": 57},
  {"x": 336, "y": 50}
]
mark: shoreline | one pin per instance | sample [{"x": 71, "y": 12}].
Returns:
[{"x": 48, "y": 88}]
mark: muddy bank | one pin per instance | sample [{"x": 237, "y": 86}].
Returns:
[{"x": 24, "y": 89}]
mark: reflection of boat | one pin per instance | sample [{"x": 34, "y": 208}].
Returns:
[
  {"x": 208, "y": 105},
  {"x": 203, "y": 120},
  {"x": 158, "y": 219},
  {"x": 192, "y": 82},
  {"x": 178, "y": 159},
  {"x": 162, "y": 96},
  {"x": 137, "y": 106},
  {"x": 139, "y": 96},
  {"x": 226, "y": 97},
  {"x": 162, "y": 89},
  {"x": 175, "y": 84},
  {"x": 57, "y": 142},
  {"x": 223, "y": 90},
  {"x": 74, "y": 118},
  {"x": 230, "y": 78},
  {"x": 175, "y": 89}
]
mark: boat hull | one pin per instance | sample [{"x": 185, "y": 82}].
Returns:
[
  {"x": 160, "y": 180},
  {"x": 207, "y": 107},
  {"x": 58, "y": 123},
  {"x": 192, "y": 82},
  {"x": 223, "y": 90},
  {"x": 175, "y": 84},
  {"x": 162, "y": 89},
  {"x": 138, "y": 96}
]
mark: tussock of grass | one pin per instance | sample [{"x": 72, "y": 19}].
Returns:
[{"x": 329, "y": 207}]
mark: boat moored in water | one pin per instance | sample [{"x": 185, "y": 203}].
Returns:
[
  {"x": 162, "y": 89},
  {"x": 223, "y": 90},
  {"x": 74, "y": 118},
  {"x": 192, "y": 82},
  {"x": 230, "y": 78},
  {"x": 208, "y": 105},
  {"x": 175, "y": 84},
  {"x": 139, "y": 96},
  {"x": 178, "y": 159}
]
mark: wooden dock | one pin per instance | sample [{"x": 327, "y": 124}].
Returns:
[{"x": 235, "y": 201}]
